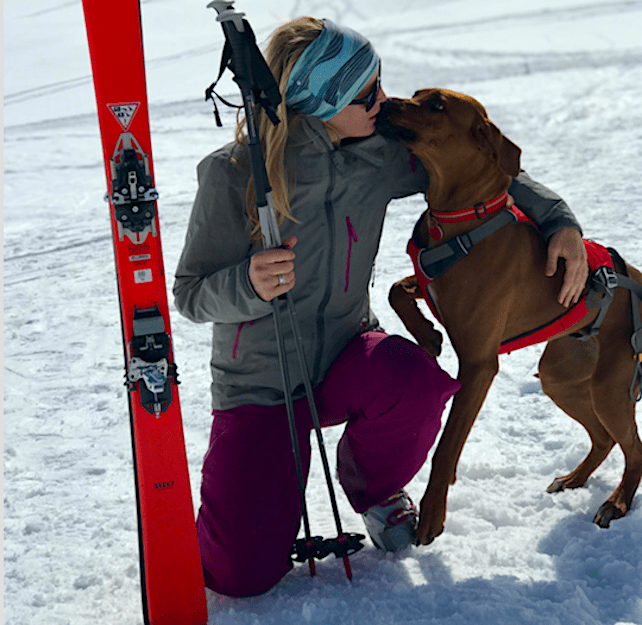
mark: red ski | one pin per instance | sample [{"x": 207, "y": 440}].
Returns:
[{"x": 171, "y": 574}]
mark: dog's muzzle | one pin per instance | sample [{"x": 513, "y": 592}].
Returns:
[{"x": 386, "y": 128}]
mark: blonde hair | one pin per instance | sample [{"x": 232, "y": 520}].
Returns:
[{"x": 285, "y": 47}]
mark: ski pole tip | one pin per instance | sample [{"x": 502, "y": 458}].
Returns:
[{"x": 348, "y": 567}]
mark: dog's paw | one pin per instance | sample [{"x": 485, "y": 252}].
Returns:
[
  {"x": 562, "y": 483},
  {"x": 429, "y": 539},
  {"x": 431, "y": 521},
  {"x": 607, "y": 512}
]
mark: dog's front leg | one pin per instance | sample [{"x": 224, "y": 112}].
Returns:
[
  {"x": 403, "y": 299},
  {"x": 476, "y": 378}
]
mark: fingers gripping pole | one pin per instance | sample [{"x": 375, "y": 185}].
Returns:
[{"x": 258, "y": 86}]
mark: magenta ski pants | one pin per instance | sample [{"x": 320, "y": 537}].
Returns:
[{"x": 391, "y": 394}]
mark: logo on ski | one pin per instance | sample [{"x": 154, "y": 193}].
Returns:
[
  {"x": 164, "y": 485},
  {"x": 124, "y": 113}
]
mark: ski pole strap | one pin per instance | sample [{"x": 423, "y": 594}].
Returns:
[
  {"x": 243, "y": 57},
  {"x": 210, "y": 93}
]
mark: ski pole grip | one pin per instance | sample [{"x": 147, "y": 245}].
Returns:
[
  {"x": 226, "y": 13},
  {"x": 240, "y": 40},
  {"x": 233, "y": 26}
]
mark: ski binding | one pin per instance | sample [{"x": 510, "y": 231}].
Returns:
[{"x": 133, "y": 193}]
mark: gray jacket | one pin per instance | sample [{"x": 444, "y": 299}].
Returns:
[{"x": 340, "y": 198}]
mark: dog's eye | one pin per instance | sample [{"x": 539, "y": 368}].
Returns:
[{"x": 436, "y": 105}]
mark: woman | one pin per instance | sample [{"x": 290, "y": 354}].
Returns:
[{"x": 332, "y": 178}]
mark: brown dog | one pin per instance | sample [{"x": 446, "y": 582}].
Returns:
[{"x": 499, "y": 290}]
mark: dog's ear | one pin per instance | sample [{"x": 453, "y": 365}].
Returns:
[{"x": 496, "y": 146}]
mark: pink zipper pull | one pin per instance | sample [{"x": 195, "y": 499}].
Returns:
[
  {"x": 236, "y": 342},
  {"x": 238, "y": 337}
]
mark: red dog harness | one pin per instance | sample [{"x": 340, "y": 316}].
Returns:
[{"x": 431, "y": 263}]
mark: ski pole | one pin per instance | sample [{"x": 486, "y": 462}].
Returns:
[
  {"x": 258, "y": 86},
  {"x": 239, "y": 59},
  {"x": 345, "y": 544}
]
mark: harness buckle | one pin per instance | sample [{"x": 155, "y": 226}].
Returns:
[
  {"x": 480, "y": 210},
  {"x": 606, "y": 276},
  {"x": 465, "y": 243}
]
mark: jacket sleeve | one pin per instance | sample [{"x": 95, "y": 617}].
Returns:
[
  {"x": 212, "y": 281},
  {"x": 546, "y": 208}
]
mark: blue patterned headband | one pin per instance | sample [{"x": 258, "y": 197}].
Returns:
[{"x": 330, "y": 72}]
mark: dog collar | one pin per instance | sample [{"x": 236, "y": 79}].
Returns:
[{"x": 479, "y": 211}]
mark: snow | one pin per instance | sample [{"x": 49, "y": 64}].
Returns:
[{"x": 562, "y": 78}]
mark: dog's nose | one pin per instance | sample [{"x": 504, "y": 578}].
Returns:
[
  {"x": 387, "y": 128},
  {"x": 383, "y": 118},
  {"x": 384, "y": 107}
]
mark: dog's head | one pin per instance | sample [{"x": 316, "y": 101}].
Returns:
[{"x": 439, "y": 124}]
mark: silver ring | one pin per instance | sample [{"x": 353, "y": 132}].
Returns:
[{"x": 281, "y": 279}]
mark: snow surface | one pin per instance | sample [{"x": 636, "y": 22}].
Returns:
[{"x": 562, "y": 78}]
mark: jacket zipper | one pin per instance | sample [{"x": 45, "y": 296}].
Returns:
[
  {"x": 352, "y": 236},
  {"x": 329, "y": 210}
]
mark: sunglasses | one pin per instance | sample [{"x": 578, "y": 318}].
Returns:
[{"x": 371, "y": 99}]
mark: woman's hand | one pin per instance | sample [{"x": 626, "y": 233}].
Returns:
[
  {"x": 272, "y": 271},
  {"x": 567, "y": 244}
]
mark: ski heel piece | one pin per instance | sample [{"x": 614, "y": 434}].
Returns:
[{"x": 149, "y": 361}]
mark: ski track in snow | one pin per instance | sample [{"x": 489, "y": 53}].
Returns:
[{"x": 511, "y": 553}]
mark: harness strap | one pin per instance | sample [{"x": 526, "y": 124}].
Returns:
[
  {"x": 433, "y": 262},
  {"x": 600, "y": 295},
  {"x": 636, "y": 337},
  {"x": 625, "y": 281}
]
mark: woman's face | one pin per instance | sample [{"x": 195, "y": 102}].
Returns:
[{"x": 354, "y": 120}]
